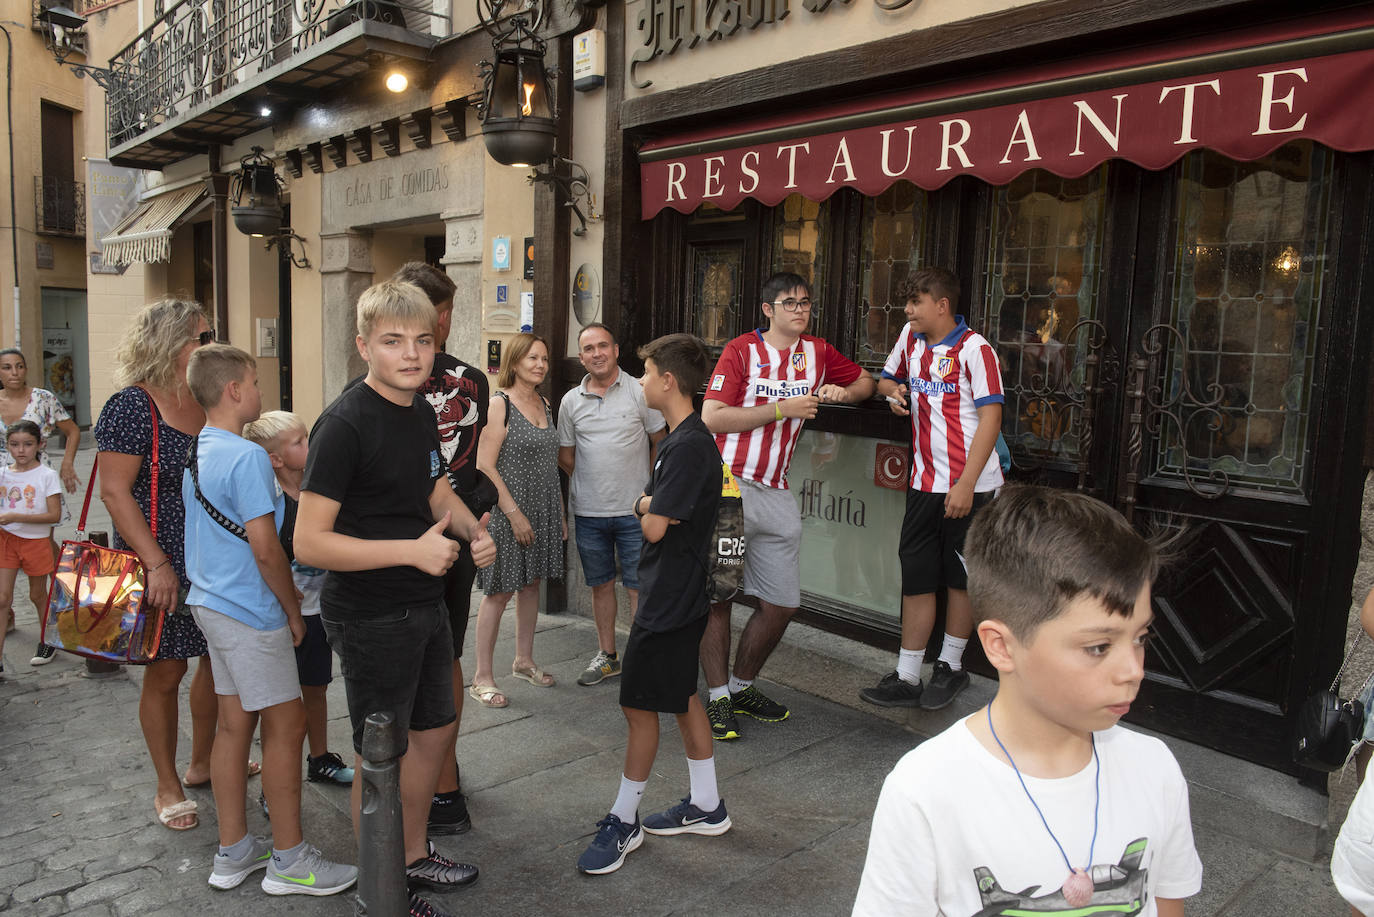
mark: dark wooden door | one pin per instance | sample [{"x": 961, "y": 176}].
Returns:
[{"x": 1167, "y": 345}]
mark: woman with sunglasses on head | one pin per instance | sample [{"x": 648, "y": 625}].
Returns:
[
  {"x": 21, "y": 401},
  {"x": 151, "y": 370}
]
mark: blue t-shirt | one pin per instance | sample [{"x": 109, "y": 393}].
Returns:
[{"x": 236, "y": 477}]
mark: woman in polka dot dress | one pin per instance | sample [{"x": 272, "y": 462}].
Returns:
[
  {"x": 519, "y": 452},
  {"x": 151, "y": 368}
]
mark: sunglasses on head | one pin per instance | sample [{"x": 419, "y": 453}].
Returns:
[{"x": 206, "y": 337}]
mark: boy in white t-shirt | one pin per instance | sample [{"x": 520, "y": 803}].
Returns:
[
  {"x": 29, "y": 507},
  {"x": 1039, "y": 802}
]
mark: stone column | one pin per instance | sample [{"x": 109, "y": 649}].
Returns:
[
  {"x": 463, "y": 262},
  {"x": 345, "y": 271}
]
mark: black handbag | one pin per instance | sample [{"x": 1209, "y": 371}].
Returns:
[
  {"x": 481, "y": 498},
  {"x": 1328, "y": 728}
]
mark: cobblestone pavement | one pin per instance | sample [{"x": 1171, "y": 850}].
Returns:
[{"x": 78, "y": 834}]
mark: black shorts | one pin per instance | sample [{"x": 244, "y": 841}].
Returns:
[
  {"x": 931, "y": 545},
  {"x": 314, "y": 659},
  {"x": 660, "y": 667},
  {"x": 458, "y": 597},
  {"x": 397, "y": 659}
]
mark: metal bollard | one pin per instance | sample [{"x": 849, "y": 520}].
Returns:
[{"x": 381, "y": 838}]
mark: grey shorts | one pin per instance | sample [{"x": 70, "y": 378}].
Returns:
[
  {"x": 257, "y": 665},
  {"x": 772, "y": 537}
]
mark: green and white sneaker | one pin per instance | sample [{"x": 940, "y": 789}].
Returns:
[
  {"x": 311, "y": 874},
  {"x": 230, "y": 873},
  {"x": 599, "y": 669}
]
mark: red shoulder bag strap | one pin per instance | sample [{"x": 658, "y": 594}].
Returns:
[{"x": 153, "y": 470}]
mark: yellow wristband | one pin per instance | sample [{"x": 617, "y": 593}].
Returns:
[{"x": 777, "y": 410}]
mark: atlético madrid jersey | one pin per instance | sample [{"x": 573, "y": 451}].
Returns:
[
  {"x": 751, "y": 372},
  {"x": 948, "y": 382}
]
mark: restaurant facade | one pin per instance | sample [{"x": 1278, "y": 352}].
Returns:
[{"x": 1158, "y": 212}]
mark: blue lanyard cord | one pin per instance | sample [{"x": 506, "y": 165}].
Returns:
[{"x": 1097, "y": 794}]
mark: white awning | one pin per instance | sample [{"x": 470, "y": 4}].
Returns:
[{"x": 146, "y": 235}]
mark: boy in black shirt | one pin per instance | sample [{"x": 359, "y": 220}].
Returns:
[
  {"x": 677, "y": 515},
  {"x": 374, "y": 487}
]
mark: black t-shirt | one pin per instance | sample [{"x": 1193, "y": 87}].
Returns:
[
  {"x": 459, "y": 395},
  {"x": 685, "y": 486},
  {"x": 379, "y": 461},
  {"x": 287, "y": 535}
]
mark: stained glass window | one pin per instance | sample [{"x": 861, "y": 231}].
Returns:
[
  {"x": 1251, "y": 257},
  {"x": 894, "y": 226},
  {"x": 1040, "y": 282}
]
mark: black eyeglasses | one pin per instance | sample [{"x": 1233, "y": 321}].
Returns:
[
  {"x": 206, "y": 337},
  {"x": 796, "y": 305}
]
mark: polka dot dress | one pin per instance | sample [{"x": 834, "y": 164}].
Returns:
[
  {"x": 528, "y": 464},
  {"x": 126, "y": 425}
]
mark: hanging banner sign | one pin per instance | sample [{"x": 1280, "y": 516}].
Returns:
[{"x": 113, "y": 193}]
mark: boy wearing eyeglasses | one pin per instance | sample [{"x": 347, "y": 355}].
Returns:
[
  {"x": 946, "y": 378},
  {"x": 766, "y": 384}
]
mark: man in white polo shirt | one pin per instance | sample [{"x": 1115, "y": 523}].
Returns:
[{"x": 605, "y": 434}]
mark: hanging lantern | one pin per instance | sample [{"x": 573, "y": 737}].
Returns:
[
  {"x": 517, "y": 116},
  {"x": 257, "y": 196}
]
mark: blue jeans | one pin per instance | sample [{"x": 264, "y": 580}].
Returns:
[{"x": 599, "y": 539}]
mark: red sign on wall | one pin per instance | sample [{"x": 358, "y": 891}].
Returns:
[{"x": 889, "y": 466}]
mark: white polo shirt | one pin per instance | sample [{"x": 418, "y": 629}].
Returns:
[{"x": 610, "y": 436}]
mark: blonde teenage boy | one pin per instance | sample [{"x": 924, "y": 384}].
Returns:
[
  {"x": 244, "y": 602},
  {"x": 284, "y": 436},
  {"x": 1040, "y": 802},
  {"x": 375, "y": 503}
]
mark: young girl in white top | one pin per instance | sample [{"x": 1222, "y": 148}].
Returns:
[{"x": 29, "y": 507}]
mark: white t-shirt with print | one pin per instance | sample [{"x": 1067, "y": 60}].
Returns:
[
  {"x": 954, "y": 834},
  {"x": 27, "y": 492}
]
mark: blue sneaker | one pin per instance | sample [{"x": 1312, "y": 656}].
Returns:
[
  {"x": 613, "y": 842},
  {"x": 685, "y": 818}
]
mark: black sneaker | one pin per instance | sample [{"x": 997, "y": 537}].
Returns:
[
  {"x": 893, "y": 692},
  {"x": 438, "y": 872},
  {"x": 448, "y": 814},
  {"x": 262, "y": 801},
  {"x": 43, "y": 655},
  {"x": 614, "y": 841},
  {"x": 945, "y": 683},
  {"x": 329, "y": 768},
  {"x": 753, "y": 702},
  {"x": 721, "y": 713},
  {"x": 419, "y": 907}
]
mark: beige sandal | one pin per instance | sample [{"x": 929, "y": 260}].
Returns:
[
  {"x": 534, "y": 675},
  {"x": 486, "y": 695}
]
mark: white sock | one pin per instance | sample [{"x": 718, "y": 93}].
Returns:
[
  {"x": 626, "y": 806},
  {"x": 952, "y": 652},
  {"x": 739, "y": 684},
  {"x": 705, "y": 796},
  {"x": 717, "y": 693},
  {"x": 909, "y": 665}
]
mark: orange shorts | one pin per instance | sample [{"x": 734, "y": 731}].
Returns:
[{"x": 32, "y": 555}]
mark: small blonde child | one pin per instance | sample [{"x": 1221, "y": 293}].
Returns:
[
  {"x": 284, "y": 437},
  {"x": 29, "y": 507}
]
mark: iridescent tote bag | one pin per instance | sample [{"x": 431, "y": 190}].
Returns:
[{"x": 96, "y": 604}]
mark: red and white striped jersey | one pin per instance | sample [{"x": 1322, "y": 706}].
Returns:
[
  {"x": 751, "y": 372},
  {"x": 948, "y": 383}
]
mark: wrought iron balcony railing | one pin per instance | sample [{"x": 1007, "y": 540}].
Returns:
[
  {"x": 200, "y": 53},
  {"x": 59, "y": 206}
]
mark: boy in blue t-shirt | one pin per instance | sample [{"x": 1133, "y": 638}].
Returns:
[{"x": 244, "y": 601}]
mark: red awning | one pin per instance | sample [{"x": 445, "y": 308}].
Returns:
[{"x": 1067, "y": 124}]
